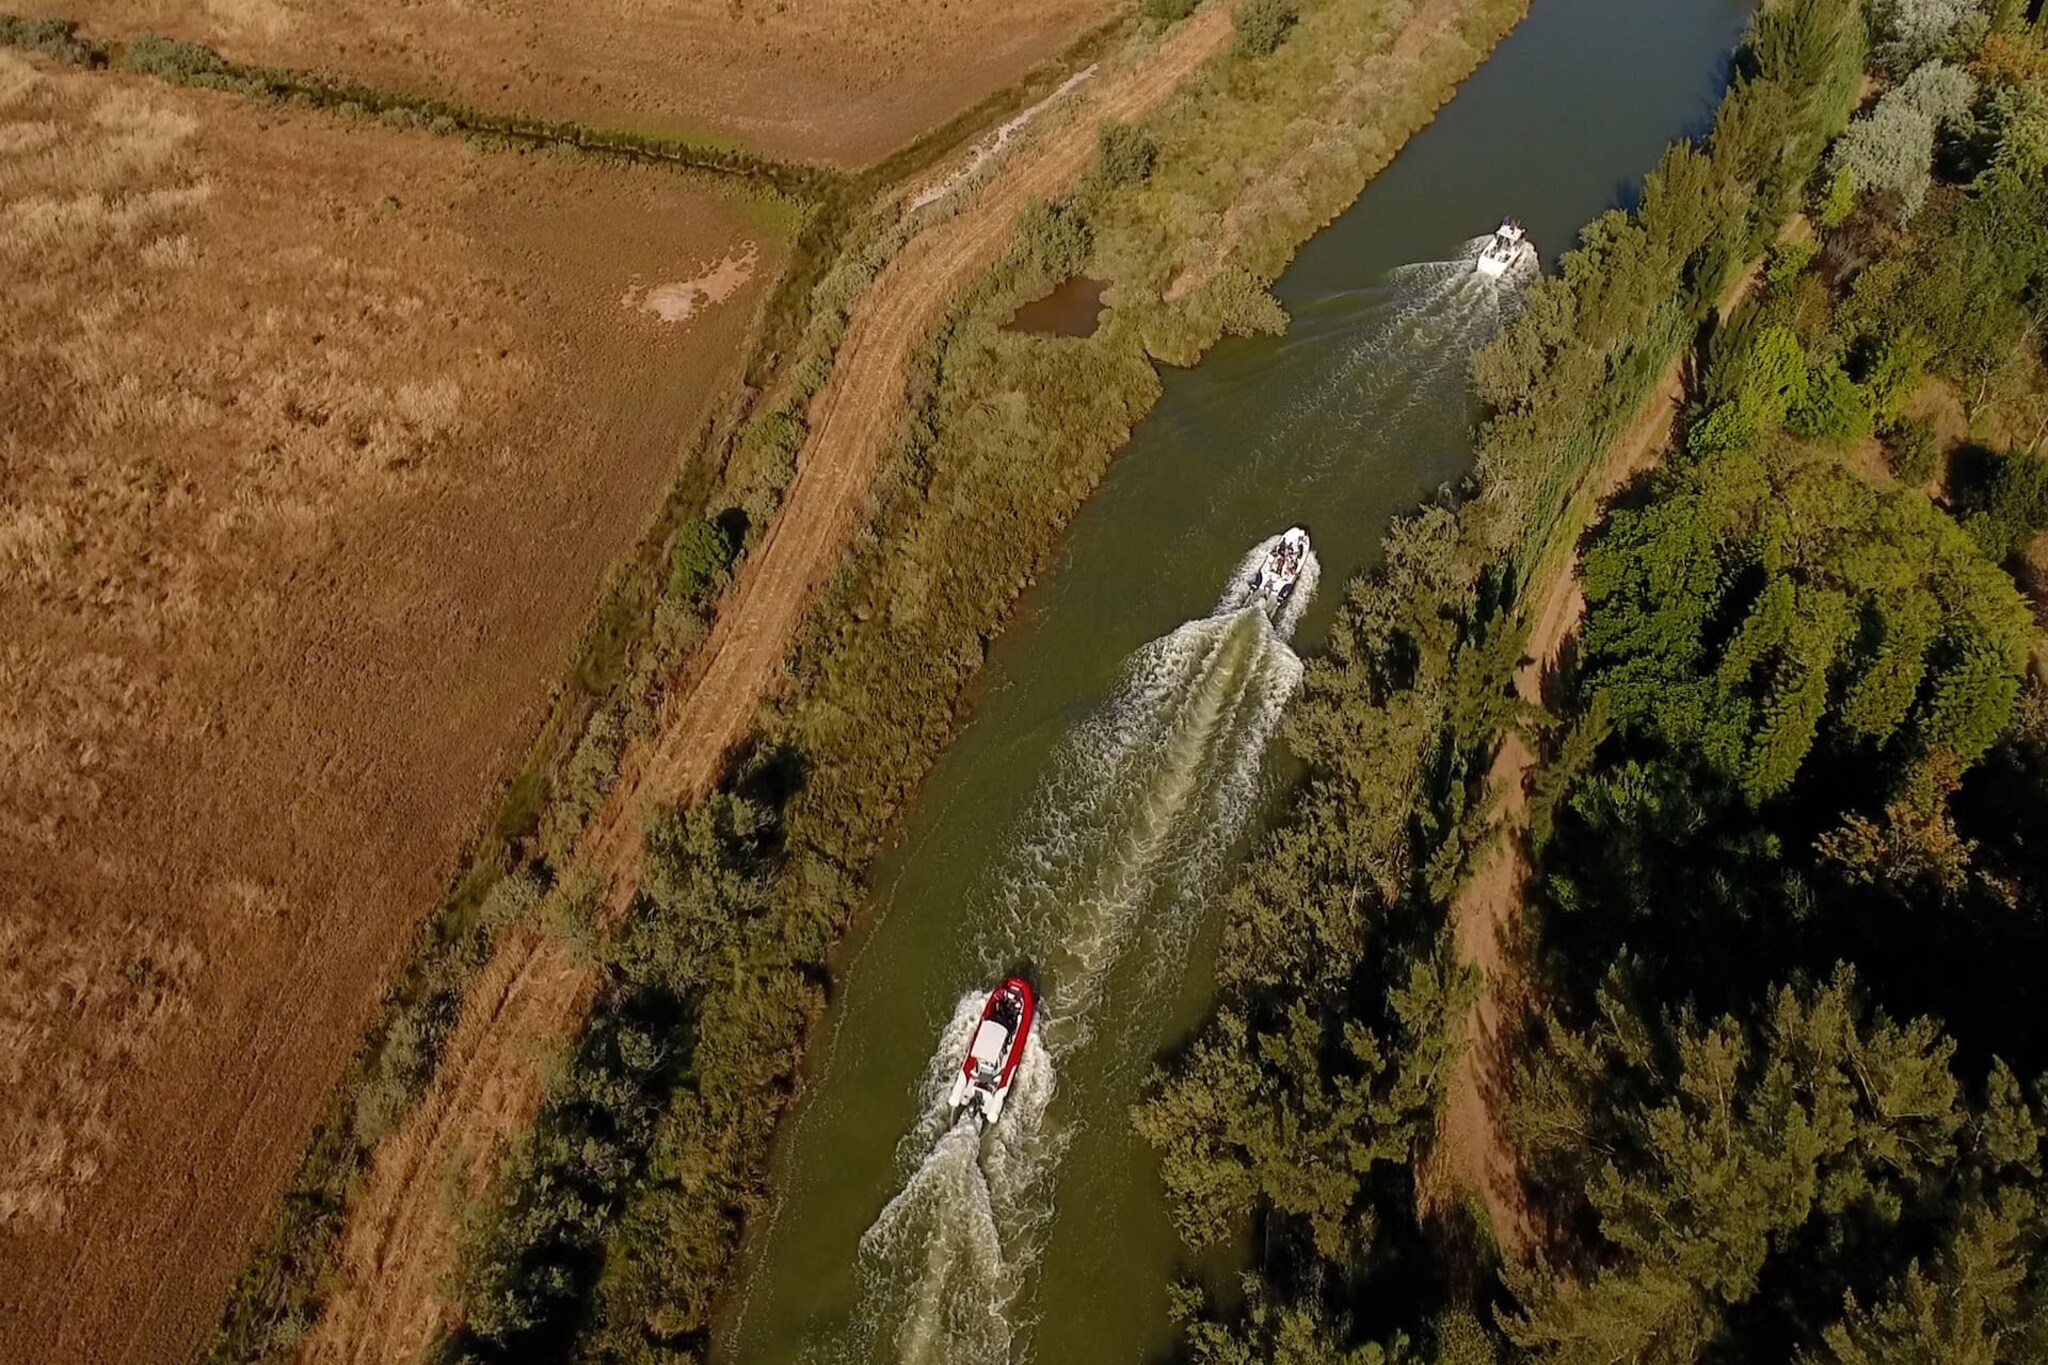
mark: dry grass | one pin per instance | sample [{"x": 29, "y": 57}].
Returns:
[
  {"x": 318, "y": 440},
  {"x": 839, "y": 81}
]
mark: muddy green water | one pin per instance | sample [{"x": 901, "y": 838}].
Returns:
[
  {"x": 1118, "y": 756},
  {"x": 1072, "y": 309}
]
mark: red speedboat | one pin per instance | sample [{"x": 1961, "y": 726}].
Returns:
[{"x": 994, "y": 1051}]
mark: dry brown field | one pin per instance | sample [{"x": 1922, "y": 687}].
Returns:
[
  {"x": 317, "y": 440},
  {"x": 843, "y": 82}
]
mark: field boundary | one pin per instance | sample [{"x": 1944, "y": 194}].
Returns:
[
  {"x": 182, "y": 62},
  {"x": 276, "y": 1297}
]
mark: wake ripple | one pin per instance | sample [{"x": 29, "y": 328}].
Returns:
[
  {"x": 1123, "y": 841},
  {"x": 1410, "y": 352}
]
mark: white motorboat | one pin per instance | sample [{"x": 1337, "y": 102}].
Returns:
[
  {"x": 1508, "y": 249},
  {"x": 1273, "y": 581}
]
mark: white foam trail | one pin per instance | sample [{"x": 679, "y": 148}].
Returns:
[
  {"x": 944, "y": 1263},
  {"x": 1410, "y": 352},
  {"x": 1125, "y": 838}
]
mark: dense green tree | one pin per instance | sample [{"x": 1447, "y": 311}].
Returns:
[
  {"x": 1973, "y": 1306},
  {"x": 2010, "y": 506},
  {"x": 700, "y": 561},
  {"x": 1763, "y": 600},
  {"x": 1125, "y": 154},
  {"x": 1295, "y": 1117},
  {"x": 1262, "y": 25},
  {"x": 1728, "y": 1166}
]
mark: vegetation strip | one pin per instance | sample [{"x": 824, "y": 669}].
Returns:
[
  {"x": 1469, "y": 1156},
  {"x": 1344, "y": 999},
  {"x": 194, "y": 64},
  {"x": 745, "y": 989}
]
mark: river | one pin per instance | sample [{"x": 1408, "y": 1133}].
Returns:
[{"x": 1120, "y": 750}]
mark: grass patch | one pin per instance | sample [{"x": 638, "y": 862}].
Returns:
[{"x": 53, "y": 38}]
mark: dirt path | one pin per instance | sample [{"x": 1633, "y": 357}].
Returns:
[
  {"x": 854, "y": 420},
  {"x": 399, "y": 1249},
  {"x": 1472, "y": 1153}
]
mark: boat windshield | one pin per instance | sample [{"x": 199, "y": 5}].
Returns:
[{"x": 986, "y": 1051}]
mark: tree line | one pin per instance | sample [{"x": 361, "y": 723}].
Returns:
[
  {"x": 1781, "y": 1095},
  {"x": 1750, "y": 1124}
]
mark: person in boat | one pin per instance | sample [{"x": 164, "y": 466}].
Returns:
[{"x": 1008, "y": 1010}]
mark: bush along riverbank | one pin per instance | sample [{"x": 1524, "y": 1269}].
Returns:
[
  {"x": 1303, "y": 1108},
  {"x": 1781, "y": 1088},
  {"x": 618, "y": 1218}
]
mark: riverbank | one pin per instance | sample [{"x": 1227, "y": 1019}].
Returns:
[
  {"x": 887, "y": 653},
  {"x": 1359, "y": 411},
  {"x": 1310, "y": 1101}
]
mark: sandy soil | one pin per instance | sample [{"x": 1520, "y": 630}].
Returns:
[
  {"x": 400, "y": 1248},
  {"x": 838, "y": 81},
  {"x": 1472, "y": 1153},
  {"x": 319, "y": 439}
]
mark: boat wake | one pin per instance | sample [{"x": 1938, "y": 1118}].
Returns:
[
  {"x": 1413, "y": 339},
  {"x": 944, "y": 1264},
  {"x": 1125, "y": 837}
]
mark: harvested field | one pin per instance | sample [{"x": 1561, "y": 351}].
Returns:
[
  {"x": 843, "y": 82},
  {"x": 319, "y": 440}
]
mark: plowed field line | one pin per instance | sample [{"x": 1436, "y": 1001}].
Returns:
[{"x": 399, "y": 1250}]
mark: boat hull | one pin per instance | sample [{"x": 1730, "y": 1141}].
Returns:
[
  {"x": 982, "y": 1085},
  {"x": 1273, "y": 582}
]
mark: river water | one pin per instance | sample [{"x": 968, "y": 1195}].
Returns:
[{"x": 1121, "y": 753}]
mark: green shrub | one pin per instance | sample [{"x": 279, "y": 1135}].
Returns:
[
  {"x": 1262, "y": 25},
  {"x": 2004, "y": 512},
  {"x": 1169, "y": 11},
  {"x": 1897, "y": 369},
  {"x": 1787, "y": 261},
  {"x": 583, "y": 783},
  {"x": 1837, "y": 200},
  {"x": 1910, "y": 446},
  {"x": 1055, "y": 237},
  {"x": 400, "y": 1073},
  {"x": 53, "y": 38},
  {"x": 1832, "y": 408},
  {"x": 174, "y": 59},
  {"x": 1460, "y": 1339},
  {"x": 698, "y": 565},
  {"x": 1124, "y": 155}
]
